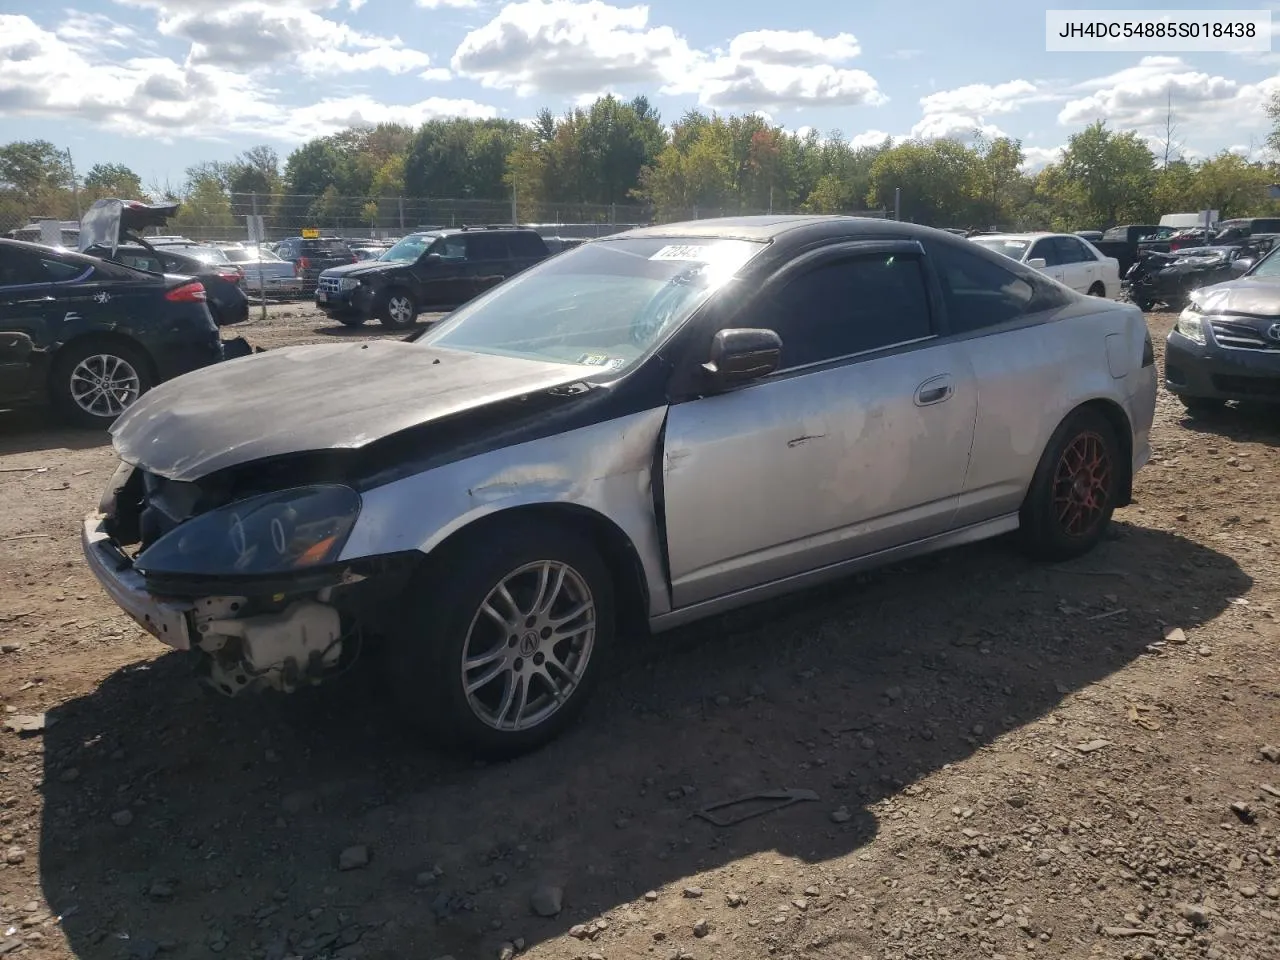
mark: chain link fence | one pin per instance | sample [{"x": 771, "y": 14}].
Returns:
[{"x": 383, "y": 218}]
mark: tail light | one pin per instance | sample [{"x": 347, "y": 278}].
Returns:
[
  {"x": 304, "y": 263},
  {"x": 234, "y": 274},
  {"x": 188, "y": 293}
]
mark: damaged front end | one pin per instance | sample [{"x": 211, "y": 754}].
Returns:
[{"x": 248, "y": 578}]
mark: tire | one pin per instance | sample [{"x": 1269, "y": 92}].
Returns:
[
  {"x": 1202, "y": 404},
  {"x": 399, "y": 310},
  {"x": 1145, "y": 305},
  {"x": 1069, "y": 505},
  {"x": 445, "y": 622},
  {"x": 1098, "y": 290},
  {"x": 350, "y": 319},
  {"x": 70, "y": 381}
]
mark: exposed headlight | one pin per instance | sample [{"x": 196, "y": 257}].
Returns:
[
  {"x": 1191, "y": 324},
  {"x": 273, "y": 533},
  {"x": 348, "y": 283}
]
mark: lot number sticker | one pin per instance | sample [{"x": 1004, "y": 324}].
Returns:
[{"x": 693, "y": 252}]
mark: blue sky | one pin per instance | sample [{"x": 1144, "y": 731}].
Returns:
[{"x": 162, "y": 84}]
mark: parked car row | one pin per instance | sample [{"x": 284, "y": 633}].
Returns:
[{"x": 495, "y": 501}]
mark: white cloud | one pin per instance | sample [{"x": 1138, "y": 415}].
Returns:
[
  {"x": 962, "y": 113},
  {"x": 254, "y": 35},
  {"x": 456, "y": 4},
  {"x": 43, "y": 75},
  {"x": 1037, "y": 158},
  {"x": 569, "y": 48},
  {"x": 872, "y": 138}
]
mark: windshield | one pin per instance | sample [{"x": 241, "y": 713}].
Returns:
[
  {"x": 410, "y": 248},
  {"x": 1204, "y": 252},
  {"x": 1268, "y": 267},
  {"x": 1014, "y": 249},
  {"x": 251, "y": 255},
  {"x": 206, "y": 254},
  {"x": 603, "y": 304}
]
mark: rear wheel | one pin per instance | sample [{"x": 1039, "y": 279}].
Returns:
[
  {"x": 399, "y": 310},
  {"x": 1073, "y": 493},
  {"x": 92, "y": 383},
  {"x": 502, "y": 641}
]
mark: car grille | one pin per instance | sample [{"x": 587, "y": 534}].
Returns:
[
  {"x": 1262, "y": 387},
  {"x": 1243, "y": 335},
  {"x": 329, "y": 284}
]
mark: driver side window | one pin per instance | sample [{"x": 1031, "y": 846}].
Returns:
[
  {"x": 1044, "y": 250},
  {"x": 450, "y": 248},
  {"x": 846, "y": 307}
]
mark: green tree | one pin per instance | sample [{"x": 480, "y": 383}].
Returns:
[
  {"x": 112, "y": 180},
  {"x": 935, "y": 178},
  {"x": 205, "y": 204},
  {"x": 1108, "y": 177}
]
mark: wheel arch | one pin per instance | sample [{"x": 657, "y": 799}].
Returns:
[
  {"x": 106, "y": 338},
  {"x": 617, "y": 551},
  {"x": 1116, "y": 416}
]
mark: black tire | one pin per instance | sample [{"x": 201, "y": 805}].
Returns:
[
  {"x": 1098, "y": 290},
  {"x": 350, "y": 319},
  {"x": 1145, "y": 305},
  {"x": 1069, "y": 504},
  {"x": 1202, "y": 404},
  {"x": 67, "y": 367},
  {"x": 445, "y": 601},
  {"x": 393, "y": 315}
]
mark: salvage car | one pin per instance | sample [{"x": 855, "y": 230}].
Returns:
[
  {"x": 90, "y": 336},
  {"x": 1226, "y": 343},
  {"x": 1065, "y": 257},
  {"x": 435, "y": 270},
  {"x": 1170, "y": 278},
  {"x": 113, "y": 229},
  {"x": 637, "y": 433},
  {"x": 265, "y": 274}
]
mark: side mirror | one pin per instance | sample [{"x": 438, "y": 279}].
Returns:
[
  {"x": 1242, "y": 264},
  {"x": 431, "y": 259},
  {"x": 1037, "y": 263},
  {"x": 741, "y": 355}
]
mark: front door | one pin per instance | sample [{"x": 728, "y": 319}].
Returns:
[
  {"x": 859, "y": 443},
  {"x": 26, "y": 305},
  {"x": 1045, "y": 249}
]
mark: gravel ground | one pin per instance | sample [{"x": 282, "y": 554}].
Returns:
[{"x": 1009, "y": 760}]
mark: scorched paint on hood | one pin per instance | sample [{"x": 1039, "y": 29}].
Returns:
[{"x": 313, "y": 398}]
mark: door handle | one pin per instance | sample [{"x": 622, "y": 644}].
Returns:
[{"x": 936, "y": 390}]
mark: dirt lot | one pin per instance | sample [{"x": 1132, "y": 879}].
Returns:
[{"x": 1009, "y": 760}]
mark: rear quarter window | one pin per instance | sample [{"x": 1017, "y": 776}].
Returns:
[
  {"x": 979, "y": 293},
  {"x": 526, "y": 244}
]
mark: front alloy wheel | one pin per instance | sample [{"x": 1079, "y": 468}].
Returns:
[
  {"x": 399, "y": 311},
  {"x": 529, "y": 646},
  {"x": 503, "y": 634}
]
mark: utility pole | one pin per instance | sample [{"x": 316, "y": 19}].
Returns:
[
  {"x": 75, "y": 188},
  {"x": 897, "y": 203},
  {"x": 262, "y": 239},
  {"x": 515, "y": 220}
]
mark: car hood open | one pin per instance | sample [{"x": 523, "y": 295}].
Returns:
[
  {"x": 313, "y": 398},
  {"x": 1249, "y": 295}
]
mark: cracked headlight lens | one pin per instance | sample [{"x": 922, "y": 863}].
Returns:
[
  {"x": 1191, "y": 324},
  {"x": 273, "y": 533}
]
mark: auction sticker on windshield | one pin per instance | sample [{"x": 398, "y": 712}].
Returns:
[{"x": 694, "y": 252}]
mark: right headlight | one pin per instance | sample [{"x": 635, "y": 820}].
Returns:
[
  {"x": 1191, "y": 323},
  {"x": 282, "y": 532}
]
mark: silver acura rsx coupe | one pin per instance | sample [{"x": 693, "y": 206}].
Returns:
[{"x": 650, "y": 428}]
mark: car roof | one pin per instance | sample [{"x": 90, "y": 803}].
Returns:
[
  {"x": 1024, "y": 236},
  {"x": 43, "y": 249}
]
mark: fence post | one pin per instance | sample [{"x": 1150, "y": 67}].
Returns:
[
  {"x": 262, "y": 283},
  {"x": 613, "y": 214},
  {"x": 400, "y": 201}
]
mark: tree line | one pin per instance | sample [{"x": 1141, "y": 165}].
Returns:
[{"x": 620, "y": 153}]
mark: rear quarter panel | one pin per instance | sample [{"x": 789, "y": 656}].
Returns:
[{"x": 1029, "y": 380}]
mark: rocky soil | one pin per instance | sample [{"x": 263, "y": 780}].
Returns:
[{"x": 1008, "y": 760}]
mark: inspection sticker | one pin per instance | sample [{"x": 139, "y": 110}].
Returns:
[{"x": 693, "y": 252}]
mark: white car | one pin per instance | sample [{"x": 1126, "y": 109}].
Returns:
[{"x": 1069, "y": 259}]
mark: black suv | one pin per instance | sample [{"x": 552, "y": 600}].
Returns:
[
  {"x": 311, "y": 256},
  {"x": 432, "y": 270}
]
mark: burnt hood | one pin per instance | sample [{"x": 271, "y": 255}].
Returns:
[
  {"x": 314, "y": 398},
  {"x": 1257, "y": 296}
]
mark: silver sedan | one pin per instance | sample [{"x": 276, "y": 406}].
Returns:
[
  {"x": 648, "y": 429},
  {"x": 264, "y": 272}
]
